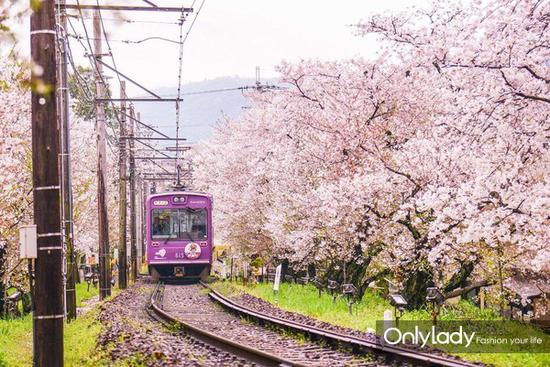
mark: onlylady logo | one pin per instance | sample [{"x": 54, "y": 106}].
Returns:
[
  {"x": 465, "y": 336},
  {"x": 428, "y": 337}
]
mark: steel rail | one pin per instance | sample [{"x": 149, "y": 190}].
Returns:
[
  {"x": 227, "y": 345},
  {"x": 390, "y": 352}
]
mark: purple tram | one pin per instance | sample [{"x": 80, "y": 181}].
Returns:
[{"x": 179, "y": 234}]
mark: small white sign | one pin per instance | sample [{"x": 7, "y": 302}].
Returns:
[
  {"x": 27, "y": 242},
  {"x": 160, "y": 253},
  {"x": 277, "y": 280},
  {"x": 160, "y": 202}
]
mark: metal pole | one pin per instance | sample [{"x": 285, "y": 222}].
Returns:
[
  {"x": 68, "y": 224},
  {"x": 122, "y": 208},
  {"x": 103, "y": 219},
  {"x": 48, "y": 293},
  {"x": 133, "y": 229}
]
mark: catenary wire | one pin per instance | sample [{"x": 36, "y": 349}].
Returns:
[{"x": 178, "y": 104}]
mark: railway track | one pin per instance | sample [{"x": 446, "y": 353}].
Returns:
[
  {"x": 245, "y": 353},
  {"x": 391, "y": 353},
  {"x": 192, "y": 309}
]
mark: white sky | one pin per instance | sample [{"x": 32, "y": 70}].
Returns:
[{"x": 232, "y": 37}]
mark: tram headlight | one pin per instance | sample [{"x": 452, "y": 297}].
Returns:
[{"x": 192, "y": 251}]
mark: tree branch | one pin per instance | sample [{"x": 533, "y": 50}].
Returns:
[{"x": 460, "y": 291}]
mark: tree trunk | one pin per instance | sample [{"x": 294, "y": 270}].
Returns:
[
  {"x": 284, "y": 268},
  {"x": 311, "y": 271},
  {"x": 2, "y": 299},
  {"x": 418, "y": 273},
  {"x": 416, "y": 285},
  {"x": 459, "y": 279},
  {"x": 356, "y": 268}
]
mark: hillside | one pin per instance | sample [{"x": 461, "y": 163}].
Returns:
[{"x": 200, "y": 112}]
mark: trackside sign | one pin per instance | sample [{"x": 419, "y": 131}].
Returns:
[{"x": 277, "y": 280}]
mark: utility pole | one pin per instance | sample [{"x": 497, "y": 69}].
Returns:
[
  {"x": 139, "y": 219},
  {"x": 103, "y": 220},
  {"x": 144, "y": 216},
  {"x": 68, "y": 224},
  {"x": 122, "y": 261},
  {"x": 143, "y": 219},
  {"x": 133, "y": 229},
  {"x": 48, "y": 292}
]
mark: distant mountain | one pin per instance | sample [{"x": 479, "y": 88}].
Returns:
[{"x": 200, "y": 112}]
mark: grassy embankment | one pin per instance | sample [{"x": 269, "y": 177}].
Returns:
[
  {"x": 79, "y": 339},
  {"x": 305, "y": 300}
]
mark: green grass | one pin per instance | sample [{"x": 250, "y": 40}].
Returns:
[
  {"x": 16, "y": 342},
  {"x": 305, "y": 300},
  {"x": 80, "y": 337},
  {"x": 83, "y": 294},
  {"x": 80, "y": 341}
]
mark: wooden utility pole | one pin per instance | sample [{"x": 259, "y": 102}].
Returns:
[
  {"x": 133, "y": 229},
  {"x": 68, "y": 224},
  {"x": 48, "y": 292},
  {"x": 103, "y": 220},
  {"x": 122, "y": 208}
]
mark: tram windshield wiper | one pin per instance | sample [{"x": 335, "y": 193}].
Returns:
[{"x": 168, "y": 238}]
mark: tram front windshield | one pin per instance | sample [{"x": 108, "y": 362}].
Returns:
[{"x": 178, "y": 224}]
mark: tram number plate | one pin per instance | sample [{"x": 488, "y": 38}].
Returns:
[{"x": 180, "y": 255}]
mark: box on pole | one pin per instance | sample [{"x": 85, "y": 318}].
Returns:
[{"x": 27, "y": 242}]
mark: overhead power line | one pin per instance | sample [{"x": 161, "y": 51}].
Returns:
[
  {"x": 133, "y": 41},
  {"x": 125, "y": 8},
  {"x": 129, "y": 21},
  {"x": 85, "y": 42},
  {"x": 182, "y": 42},
  {"x": 108, "y": 44},
  {"x": 89, "y": 53},
  {"x": 150, "y": 3}
]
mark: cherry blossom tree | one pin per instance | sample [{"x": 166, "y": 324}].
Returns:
[
  {"x": 16, "y": 180},
  {"x": 428, "y": 163},
  {"x": 490, "y": 61},
  {"x": 15, "y": 165}
]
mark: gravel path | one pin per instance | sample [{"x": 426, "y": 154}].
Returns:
[
  {"x": 191, "y": 304},
  {"x": 130, "y": 333},
  {"x": 87, "y": 306}
]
